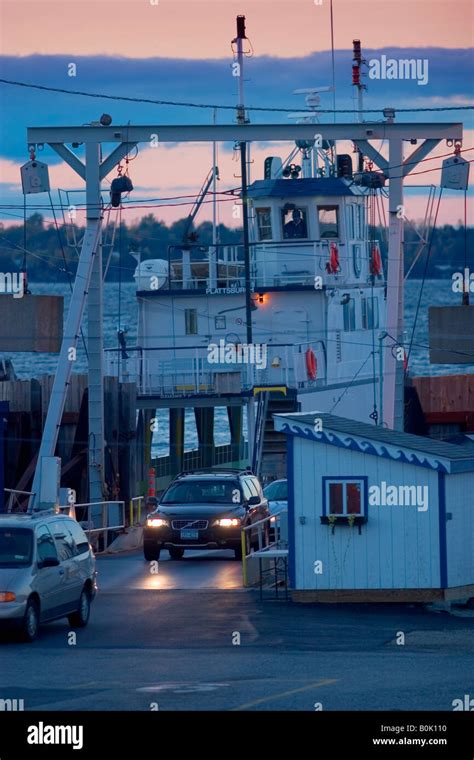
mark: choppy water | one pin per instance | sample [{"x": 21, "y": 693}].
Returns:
[{"x": 123, "y": 311}]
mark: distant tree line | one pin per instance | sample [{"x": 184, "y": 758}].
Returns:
[{"x": 45, "y": 245}]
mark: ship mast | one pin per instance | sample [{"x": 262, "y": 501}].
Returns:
[{"x": 241, "y": 119}]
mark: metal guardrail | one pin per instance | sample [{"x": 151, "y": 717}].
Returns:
[
  {"x": 136, "y": 506},
  {"x": 99, "y": 512},
  {"x": 13, "y": 497},
  {"x": 264, "y": 547}
]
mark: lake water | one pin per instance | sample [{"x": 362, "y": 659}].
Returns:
[{"x": 435, "y": 292}]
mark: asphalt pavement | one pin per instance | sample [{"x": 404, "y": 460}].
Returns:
[{"x": 190, "y": 638}]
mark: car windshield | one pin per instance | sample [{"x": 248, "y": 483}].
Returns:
[
  {"x": 277, "y": 491},
  {"x": 203, "y": 492},
  {"x": 16, "y": 547}
]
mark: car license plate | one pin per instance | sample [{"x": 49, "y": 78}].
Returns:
[{"x": 189, "y": 534}]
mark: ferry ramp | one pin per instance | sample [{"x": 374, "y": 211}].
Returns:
[{"x": 198, "y": 570}]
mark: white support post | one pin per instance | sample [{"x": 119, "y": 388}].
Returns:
[
  {"x": 95, "y": 342},
  {"x": 67, "y": 353},
  {"x": 251, "y": 426},
  {"x": 393, "y": 391}
]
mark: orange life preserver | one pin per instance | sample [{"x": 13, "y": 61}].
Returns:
[
  {"x": 333, "y": 263},
  {"x": 375, "y": 261},
  {"x": 311, "y": 364}
]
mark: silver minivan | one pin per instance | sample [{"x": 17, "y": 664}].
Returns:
[{"x": 47, "y": 571}]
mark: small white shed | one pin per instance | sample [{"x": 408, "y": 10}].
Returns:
[{"x": 375, "y": 514}]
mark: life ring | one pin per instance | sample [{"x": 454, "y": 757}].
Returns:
[
  {"x": 376, "y": 261},
  {"x": 333, "y": 263},
  {"x": 311, "y": 364}
]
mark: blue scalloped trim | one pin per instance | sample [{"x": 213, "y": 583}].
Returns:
[{"x": 345, "y": 441}]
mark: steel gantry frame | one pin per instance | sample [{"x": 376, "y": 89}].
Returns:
[{"x": 88, "y": 281}]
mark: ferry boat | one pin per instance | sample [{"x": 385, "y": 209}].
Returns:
[{"x": 318, "y": 308}]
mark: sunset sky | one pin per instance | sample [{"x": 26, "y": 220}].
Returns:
[{"x": 180, "y": 50}]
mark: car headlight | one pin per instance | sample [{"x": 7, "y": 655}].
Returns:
[
  {"x": 273, "y": 519},
  {"x": 156, "y": 522},
  {"x": 228, "y": 522}
]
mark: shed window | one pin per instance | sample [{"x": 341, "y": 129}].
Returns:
[
  {"x": 328, "y": 219},
  {"x": 264, "y": 223},
  {"x": 344, "y": 496}
]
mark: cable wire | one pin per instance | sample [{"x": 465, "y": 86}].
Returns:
[{"x": 188, "y": 104}]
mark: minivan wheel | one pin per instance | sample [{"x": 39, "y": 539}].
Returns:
[
  {"x": 80, "y": 618},
  {"x": 176, "y": 552},
  {"x": 151, "y": 552},
  {"x": 30, "y": 624}
]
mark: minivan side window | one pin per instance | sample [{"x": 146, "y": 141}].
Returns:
[
  {"x": 64, "y": 540},
  {"x": 79, "y": 537},
  {"x": 257, "y": 486},
  {"x": 251, "y": 486},
  {"x": 46, "y": 548},
  {"x": 246, "y": 489}
]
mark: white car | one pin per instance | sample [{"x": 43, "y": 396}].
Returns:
[{"x": 47, "y": 571}]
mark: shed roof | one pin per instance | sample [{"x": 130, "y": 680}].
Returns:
[{"x": 393, "y": 444}]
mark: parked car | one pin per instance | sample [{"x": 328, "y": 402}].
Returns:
[
  {"x": 206, "y": 510},
  {"x": 47, "y": 572},
  {"x": 277, "y": 495}
]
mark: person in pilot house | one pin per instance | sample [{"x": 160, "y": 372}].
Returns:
[{"x": 296, "y": 228}]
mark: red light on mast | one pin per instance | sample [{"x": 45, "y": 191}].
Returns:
[
  {"x": 357, "y": 51},
  {"x": 355, "y": 73}
]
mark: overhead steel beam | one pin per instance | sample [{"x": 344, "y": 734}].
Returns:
[
  {"x": 70, "y": 158},
  {"x": 244, "y": 132},
  {"x": 368, "y": 150},
  {"x": 418, "y": 155},
  {"x": 115, "y": 157}
]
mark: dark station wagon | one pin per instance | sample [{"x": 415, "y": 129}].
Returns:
[{"x": 206, "y": 510}]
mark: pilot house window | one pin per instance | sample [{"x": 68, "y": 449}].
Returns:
[
  {"x": 328, "y": 222},
  {"x": 293, "y": 222},
  {"x": 264, "y": 223}
]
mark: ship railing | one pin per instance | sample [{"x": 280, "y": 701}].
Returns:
[
  {"x": 191, "y": 370},
  {"x": 220, "y": 268},
  {"x": 209, "y": 267},
  {"x": 289, "y": 262}
]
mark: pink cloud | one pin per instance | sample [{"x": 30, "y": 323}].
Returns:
[{"x": 197, "y": 29}]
